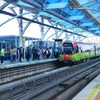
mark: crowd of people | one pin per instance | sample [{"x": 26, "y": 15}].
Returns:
[{"x": 30, "y": 53}]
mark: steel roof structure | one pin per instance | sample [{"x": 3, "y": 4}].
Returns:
[
  {"x": 64, "y": 15},
  {"x": 12, "y": 38}
]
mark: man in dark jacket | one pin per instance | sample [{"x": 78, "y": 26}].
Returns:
[{"x": 28, "y": 53}]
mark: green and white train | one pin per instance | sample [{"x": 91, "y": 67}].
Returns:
[{"x": 73, "y": 53}]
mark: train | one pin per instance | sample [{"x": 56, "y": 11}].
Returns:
[{"x": 77, "y": 52}]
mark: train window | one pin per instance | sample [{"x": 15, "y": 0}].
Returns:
[
  {"x": 67, "y": 48},
  {"x": 67, "y": 44}
]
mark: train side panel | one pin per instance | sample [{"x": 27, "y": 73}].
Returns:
[
  {"x": 80, "y": 56},
  {"x": 61, "y": 57}
]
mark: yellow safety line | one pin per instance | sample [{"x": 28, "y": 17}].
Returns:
[{"x": 92, "y": 94}]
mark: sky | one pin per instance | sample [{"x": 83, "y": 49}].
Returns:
[{"x": 12, "y": 28}]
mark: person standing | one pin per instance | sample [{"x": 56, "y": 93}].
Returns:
[
  {"x": 15, "y": 53},
  {"x": 34, "y": 53},
  {"x": 28, "y": 53},
  {"x": 2, "y": 54},
  {"x": 20, "y": 54},
  {"x": 51, "y": 53},
  {"x": 11, "y": 54}
]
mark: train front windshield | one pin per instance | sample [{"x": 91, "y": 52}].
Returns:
[{"x": 67, "y": 48}]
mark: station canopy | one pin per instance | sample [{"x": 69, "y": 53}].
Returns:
[{"x": 80, "y": 17}]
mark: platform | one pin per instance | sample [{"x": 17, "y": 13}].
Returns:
[
  {"x": 91, "y": 91},
  {"x": 7, "y": 64}
]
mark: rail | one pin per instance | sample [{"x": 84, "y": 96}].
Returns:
[
  {"x": 27, "y": 88},
  {"x": 15, "y": 71}
]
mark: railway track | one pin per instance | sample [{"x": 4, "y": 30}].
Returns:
[
  {"x": 15, "y": 71},
  {"x": 69, "y": 88},
  {"x": 34, "y": 88}
]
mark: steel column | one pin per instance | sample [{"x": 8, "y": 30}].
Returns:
[
  {"x": 20, "y": 29},
  {"x": 42, "y": 29}
]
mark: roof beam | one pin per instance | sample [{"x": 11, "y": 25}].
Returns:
[
  {"x": 22, "y": 4},
  {"x": 76, "y": 3},
  {"x": 18, "y": 2},
  {"x": 10, "y": 1},
  {"x": 85, "y": 2},
  {"x": 86, "y": 24},
  {"x": 55, "y": 5},
  {"x": 45, "y": 14},
  {"x": 97, "y": 32},
  {"x": 76, "y": 17},
  {"x": 4, "y": 5},
  {"x": 32, "y": 3},
  {"x": 27, "y": 19},
  {"x": 97, "y": 14},
  {"x": 95, "y": 4},
  {"x": 94, "y": 28},
  {"x": 40, "y": 6},
  {"x": 52, "y": 17}
]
